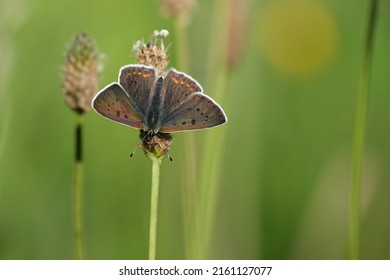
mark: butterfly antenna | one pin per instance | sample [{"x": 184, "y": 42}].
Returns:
[
  {"x": 133, "y": 152},
  {"x": 169, "y": 156},
  {"x": 135, "y": 149}
]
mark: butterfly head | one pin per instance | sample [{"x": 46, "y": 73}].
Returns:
[
  {"x": 155, "y": 144},
  {"x": 147, "y": 136}
]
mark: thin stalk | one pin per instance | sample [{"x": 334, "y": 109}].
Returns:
[
  {"x": 78, "y": 190},
  {"x": 358, "y": 141},
  {"x": 153, "y": 207},
  {"x": 4, "y": 129},
  {"x": 189, "y": 173},
  {"x": 214, "y": 140},
  {"x": 211, "y": 169}
]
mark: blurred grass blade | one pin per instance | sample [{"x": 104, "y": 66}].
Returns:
[{"x": 358, "y": 141}]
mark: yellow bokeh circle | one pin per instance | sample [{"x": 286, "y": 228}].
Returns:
[{"x": 297, "y": 37}]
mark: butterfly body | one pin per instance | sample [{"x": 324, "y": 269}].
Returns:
[
  {"x": 157, "y": 105},
  {"x": 154, "y": 114}
]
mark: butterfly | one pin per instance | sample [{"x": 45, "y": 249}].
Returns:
[{"x": 157, "y": 105}]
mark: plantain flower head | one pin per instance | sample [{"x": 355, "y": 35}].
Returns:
[{"x": 80, "y": 73}]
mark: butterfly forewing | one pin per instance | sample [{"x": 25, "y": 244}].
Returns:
[
  {"x": 138, "y": 82},
  {"x": 177, "y": 88},
  {"x": 113, "y": 103},
  {"x": 197, "y": 111}
]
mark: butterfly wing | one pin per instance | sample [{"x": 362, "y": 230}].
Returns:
[
  {"x": 197, "y": 111},
  {"x": 113, "y": 103},
  {"x": 138, "y": 82},
  {"x": 185, "y": 107},
  {"x": 177, "y": 87}
]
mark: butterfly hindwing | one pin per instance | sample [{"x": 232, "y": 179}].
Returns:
[
  {"x": 138, "y": 82},
  {"x": 113, "y": 103},
  {"x": 197, "y": 111}
]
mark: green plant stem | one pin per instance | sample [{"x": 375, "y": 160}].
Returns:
[
  {"x": 214, "y": 140},
  {"x": 78, "y": 191},
  {"x": 211, "y": 173},
  {"x": 189, "y": 174},
  {"x": 154, "y": 207},
  {"x": 358, "y": 141}
]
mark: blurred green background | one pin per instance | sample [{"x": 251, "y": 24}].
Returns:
[{"x": 290, "y": 101}]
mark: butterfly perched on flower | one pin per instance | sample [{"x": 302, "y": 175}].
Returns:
[{"x": 157, "y": 105}]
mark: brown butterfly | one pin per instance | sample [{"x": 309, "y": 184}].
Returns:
[{"x": 156, "y": 104}]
